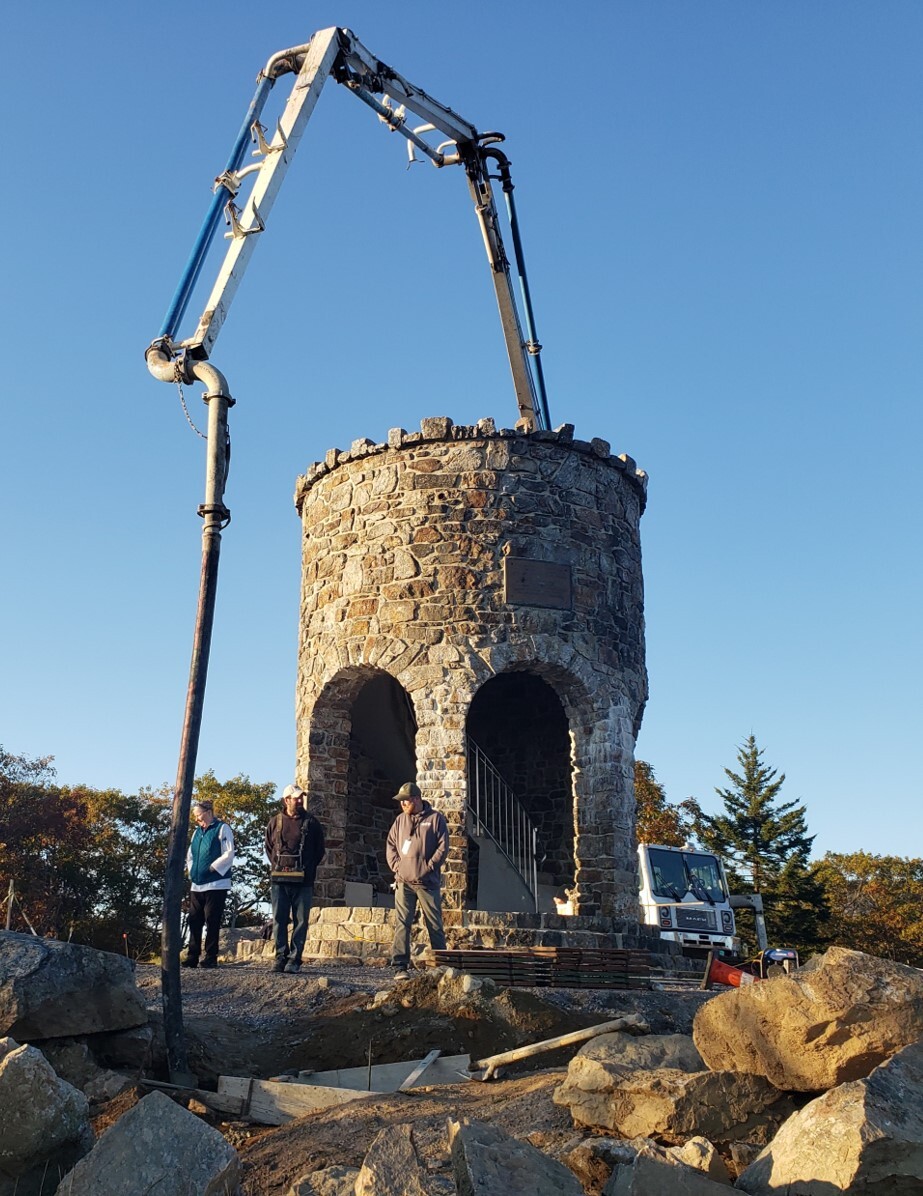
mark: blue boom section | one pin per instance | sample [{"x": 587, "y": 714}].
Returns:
[
  {"x": 533, "y": 348},
  {"x": 180, "y": 300}
]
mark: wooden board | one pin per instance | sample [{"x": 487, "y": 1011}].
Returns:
[
  {"x": 389, "y": 1077},
  {"x": 268, "y": 1102},
  {"x": 416, "y": 1076}
]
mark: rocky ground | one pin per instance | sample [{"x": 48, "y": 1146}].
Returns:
[
  {"x": 243, "y": 1019},
  {"x": 809, "y": 1081}
]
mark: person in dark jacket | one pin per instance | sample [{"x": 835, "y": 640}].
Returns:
[
  {"x": 418, "y": 843},
  {"x": 294, "y": 847},
  {"x": 208, "y": 861}
]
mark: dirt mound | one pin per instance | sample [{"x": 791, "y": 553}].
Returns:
[
  {"x": 522, "y": 1107},
  {"x": 352, "y": 1030}
]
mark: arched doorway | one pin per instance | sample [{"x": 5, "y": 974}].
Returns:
[
  {"x": 381, "y": 758},
  {"x": 362, "y": 749},
  {"x": 520, "y": 792}
]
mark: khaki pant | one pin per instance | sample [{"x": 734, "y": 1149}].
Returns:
[{"x": 406, "y": 900}]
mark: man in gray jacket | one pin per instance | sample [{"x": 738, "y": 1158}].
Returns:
[{"x": 418, "y": 843}]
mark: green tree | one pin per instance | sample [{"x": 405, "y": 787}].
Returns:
[
  {"x": 125, "y": 865},
  {"x": 766, "y": 849},
  {"x": 43, "y": 833},
  {"x": 89, "y": 863},
  {"x": 656, "y": 820},
  {"x": 86, "y": 864},
  {"x": 876, "y": 904}
]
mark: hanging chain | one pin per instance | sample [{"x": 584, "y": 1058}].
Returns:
[{"x": 178, "y": 379}]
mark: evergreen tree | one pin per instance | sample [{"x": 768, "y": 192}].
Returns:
[{"x": 766, "y": 849}]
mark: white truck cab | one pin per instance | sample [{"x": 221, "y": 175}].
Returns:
[{"x": 684, "y": 897}]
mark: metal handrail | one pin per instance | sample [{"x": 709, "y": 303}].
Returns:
[{"x": 499, "y": 814}]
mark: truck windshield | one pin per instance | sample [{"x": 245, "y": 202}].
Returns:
[{"x": 674, "y": 873}]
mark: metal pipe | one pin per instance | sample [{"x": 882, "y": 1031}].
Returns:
[
  {"x": 215, "y": 515},
  {"x": 190, "y": 276},
  {"x": 395, "y": 124},
  {"x": 532, "y": 346},
  {"x": 271, "y": 71},
  {"x": 535, "y": 866}
]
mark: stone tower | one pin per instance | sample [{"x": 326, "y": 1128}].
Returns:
[{"x": 460, "y": 586}]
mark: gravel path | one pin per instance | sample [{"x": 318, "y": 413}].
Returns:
[{"x": 252, "y": 994}]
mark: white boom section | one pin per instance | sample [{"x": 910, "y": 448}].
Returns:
[
  {"x": 325, "y": 49},
  {"x": 360, "y": 60},
  {"x": 314, "y": 73}
]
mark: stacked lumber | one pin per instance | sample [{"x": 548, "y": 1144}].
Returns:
[{"x": 553, "y": 967}]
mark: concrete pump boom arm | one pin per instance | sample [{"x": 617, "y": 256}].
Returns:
[{"x": 337, "y": 53}]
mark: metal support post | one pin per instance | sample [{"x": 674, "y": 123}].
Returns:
[{"x": 216, "y": 517}]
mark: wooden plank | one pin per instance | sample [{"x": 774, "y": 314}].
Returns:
[
  {"x": 217, "y": 1101},
  {"x": 270, "y": 1103},
  {"x": 390, "y": 1077},
  {"x": 630, "y": 1021},
  {"x": 419, "y": 1070}
]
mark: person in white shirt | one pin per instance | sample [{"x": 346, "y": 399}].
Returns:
[{"x": 208, "y": 861}]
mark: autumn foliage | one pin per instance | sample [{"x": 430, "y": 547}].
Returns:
[
  {"x": 88, "y": 864},
  {"x": 876, "y": 904}
]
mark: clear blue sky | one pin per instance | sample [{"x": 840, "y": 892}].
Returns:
[{"x": 721, "y": 207}]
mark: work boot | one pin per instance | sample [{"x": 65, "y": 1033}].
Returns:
[
  {"x": 279, "y": 965},
  {"x": 402, "y": 974},
  {"x": 188, "y": 962},
  {"x": 209, "y": 963},
  {"x": 293, "y": 967}
]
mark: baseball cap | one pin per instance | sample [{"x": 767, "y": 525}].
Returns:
[
  {"x": 293, "y": 791},
  {"x": 407, "y": 791}
]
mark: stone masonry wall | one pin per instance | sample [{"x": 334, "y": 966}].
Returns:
[{"x": 404, "y": 552}]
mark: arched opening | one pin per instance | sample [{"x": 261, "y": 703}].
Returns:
[
  {"x": 362, "y": 748},
  {"x": 520, "y": 793},
  {"x": 382, "y": 757}
]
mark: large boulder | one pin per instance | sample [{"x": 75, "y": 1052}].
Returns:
[
  {"x": 631, "y": 1053},
  {"x": 391, "y": 1165},
  {"x": 71, "y": 1059},
  {"x": 597, "y": 1070},
  {"x": 50, "y": 989},
  {"x": 43, "y": 1119},
  {"x": 701, "y": 1154},
  {"x": 672, "y": 1105},
  {"x": 329, "y": 1181},
  {"x": 658, "y": 1087},
  {"x": 485, "y": 1159},
  {"x": 864, "y": 1136},
  {"x": 834, "y": 1020},
  {"x": 134, "y": 1049},
  {"x": 594, "y": 1160},
  {"x": 654, "y": 1172},
  {"x": 157, "y": 1146}
]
